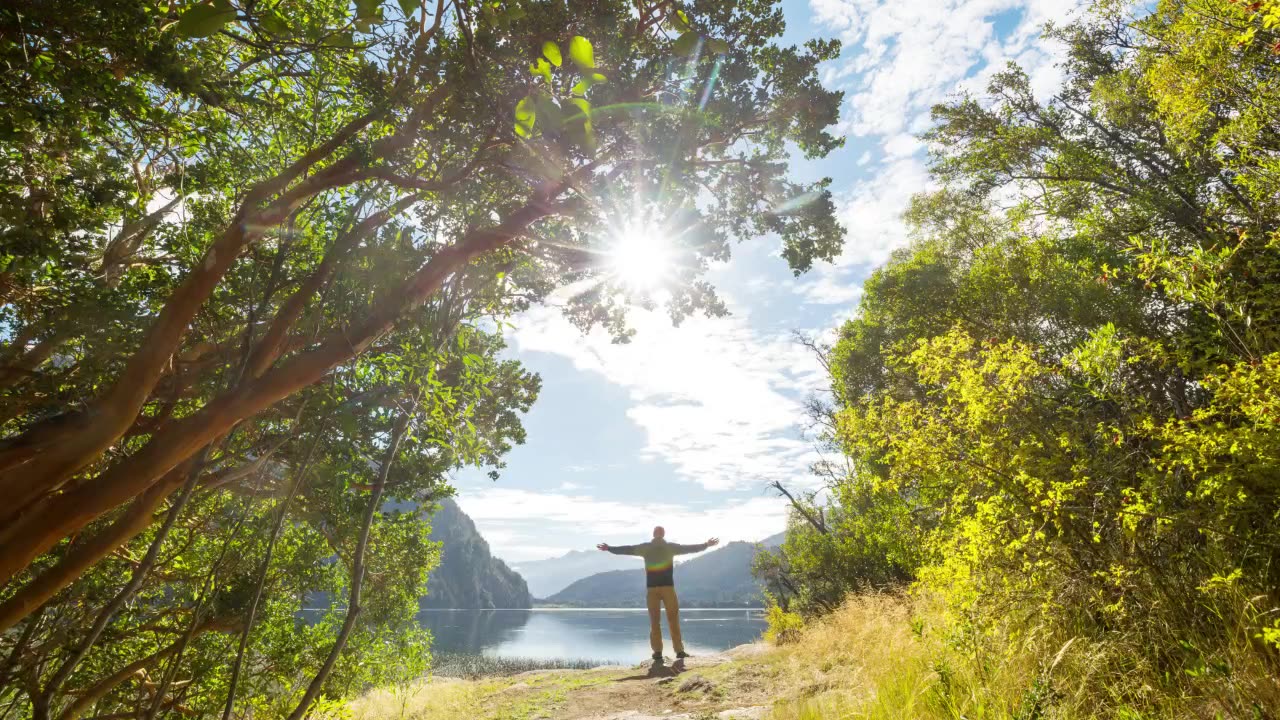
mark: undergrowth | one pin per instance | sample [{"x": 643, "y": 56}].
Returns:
[
  {"x": 470, "y": 666},
  {"x": 886, "y": 656}
]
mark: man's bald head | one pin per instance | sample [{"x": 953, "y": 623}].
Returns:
[{"x": 659, "y": 533}]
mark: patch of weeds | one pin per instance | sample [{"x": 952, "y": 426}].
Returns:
[{"x": 472, "y": 667}]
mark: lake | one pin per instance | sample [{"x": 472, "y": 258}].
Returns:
[{"x": 607, "y": 635}]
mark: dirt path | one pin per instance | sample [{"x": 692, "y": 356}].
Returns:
[{"x": 732, "y": 686}]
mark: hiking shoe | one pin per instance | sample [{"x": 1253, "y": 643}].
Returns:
[{"x": 682, "y": 655}]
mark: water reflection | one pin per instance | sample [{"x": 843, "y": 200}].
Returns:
[
  {"x": 610, "y": 635},
  {"x": 471, "y": 631}
]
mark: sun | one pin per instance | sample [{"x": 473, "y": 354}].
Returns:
[{"x": 641, "y": 258}]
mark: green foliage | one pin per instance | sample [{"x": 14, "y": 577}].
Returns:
[
  {"x": 1070, "y": 403},
  {"x": 783, "y": 626},
  {"x": 241, "y": 242}
]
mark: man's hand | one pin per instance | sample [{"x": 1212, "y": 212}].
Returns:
[
  {"x": 603, "y": 546},
  {"x": 713, "y": 542}
]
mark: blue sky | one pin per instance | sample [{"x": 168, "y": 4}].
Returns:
[{"x": 685, "y": 426}]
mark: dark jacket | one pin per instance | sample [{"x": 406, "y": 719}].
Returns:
[{"x": 659, "y": 559}]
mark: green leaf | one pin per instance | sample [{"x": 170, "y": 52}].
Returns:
[
  {"x": 581, "y": 52},
  {"x": 408, "y": 7},
  {"x": 345, "y": 39},
  {"x": 686, "y": 44},
  {"x": 203, "y": 21},
  {"x": 677, "y": 21},
  {"x": 586, "y": 82},
  {"x": 584, "y": 108},
  {"x": 273, "y": 22},
  {"x": 525, "y": 117},
  {"x": 541, "y": 68},
  {"x": 551, "y": 51},
  {"x": 551, "y": 113},
  {"x": 716, "y": 46},
  {"x": 367, "y": 9}
]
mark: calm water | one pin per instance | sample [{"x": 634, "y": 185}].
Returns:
[{"x": 609, "y": 635}]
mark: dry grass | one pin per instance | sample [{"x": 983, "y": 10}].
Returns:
[
  {"x": 889, "y": 657},
  {"x": 436, "y": 698},
  {"x": 883, "y": 657}
]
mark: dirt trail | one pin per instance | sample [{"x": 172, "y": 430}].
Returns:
[{"x": 728, "y": 686}]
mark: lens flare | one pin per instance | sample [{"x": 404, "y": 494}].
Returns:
[{"x": 641, "y": 258}]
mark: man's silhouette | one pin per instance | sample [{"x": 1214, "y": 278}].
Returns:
[{"x": 659, "y": 564}]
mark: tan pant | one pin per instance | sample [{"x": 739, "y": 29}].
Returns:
[{"x": 664, "y": 596}]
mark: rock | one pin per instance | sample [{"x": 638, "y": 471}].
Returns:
[
  {"x": 747, "y": 651},
  {"x": 696, "y": 682},
  {"x": 747, "y": 713}
]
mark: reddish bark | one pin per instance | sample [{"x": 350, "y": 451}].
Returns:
[
  {"x": 88, "y": 552},
  {"x": 272, "y": 344},
  {"x": 42, "y": 528},
  {"x": 92, "y": 432}
]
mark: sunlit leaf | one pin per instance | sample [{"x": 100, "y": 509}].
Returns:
[
  {"x": 582, "y": 53},
  {"x": 551, "y": 51},
  {"x": 541, "y": 68},
  {"x": 583, "y": 85},
  {"x": 526, "y": 115}
]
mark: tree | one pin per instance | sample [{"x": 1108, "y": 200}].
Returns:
[
  {"x": 1063, "y": 377},
  {"x": 312, "y": 134},
  {"x": 241, "y": 243}
]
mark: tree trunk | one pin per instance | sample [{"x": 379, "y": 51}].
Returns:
[
  {"x": 110, "y": 416},
  {"x": 86, "y": 554},
  {"x": 262, "y": 577},
  {"x": 29, "y": 536},
  {"x": 357, "y": 571}
]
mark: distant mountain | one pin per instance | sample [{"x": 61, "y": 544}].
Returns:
[
  {"x": 548, "y": 577},
  {"x": 721, "y": 578},
  {"x": 774, "y": 541},
  {"x": 468, "y": 577}
]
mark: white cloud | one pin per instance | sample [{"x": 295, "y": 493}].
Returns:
[
  {"x": 903, "y": 59},
  {"x": 872, "y": 215},
  {"x": 517, "y": 522},
  {"x": 716, "y": 399}
]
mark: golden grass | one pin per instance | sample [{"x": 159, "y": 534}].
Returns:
[
  {"x": 435, "y": 698},
  {"x": 888, "y": 657}
]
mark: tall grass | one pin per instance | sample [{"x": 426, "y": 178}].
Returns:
[
  {"x": 890, "y": 657},
  {"x": 471, "y": 666}
]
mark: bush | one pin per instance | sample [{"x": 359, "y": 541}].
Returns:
[{"x": 784, "y": 626}]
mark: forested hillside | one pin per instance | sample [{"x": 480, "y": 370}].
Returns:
[
  {"x": 468, "y": 576},
  {"x": 1059, "y": 407}
]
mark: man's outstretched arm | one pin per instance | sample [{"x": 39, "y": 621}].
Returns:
[
  {"x": 622, "y": 549},
  {"x": 686, "y": 549}
]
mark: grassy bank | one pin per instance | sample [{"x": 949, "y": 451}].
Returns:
[
  {"x": 469, "y": 666},
  {"x": 878, "y": 657}
]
